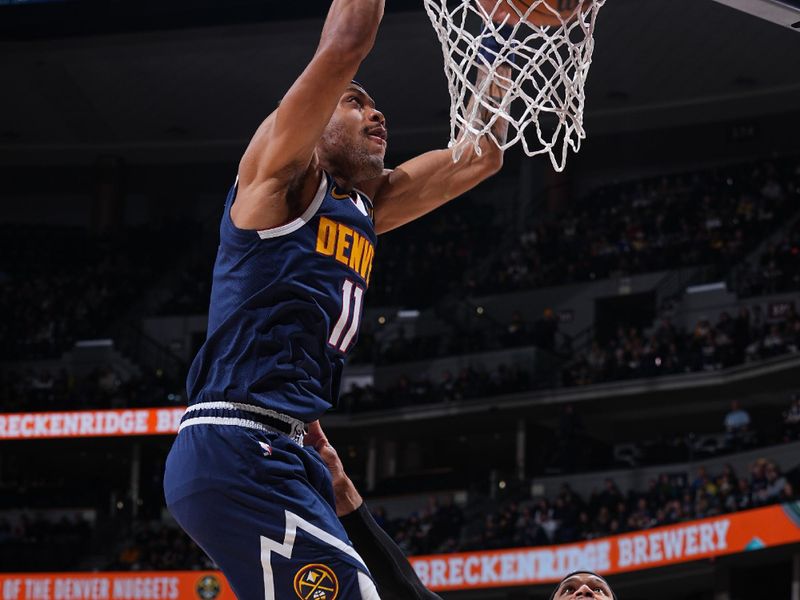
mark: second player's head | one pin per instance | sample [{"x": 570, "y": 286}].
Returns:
[
  {"x": 583, "y": 585},
  {"x": 354, "y": 141}
]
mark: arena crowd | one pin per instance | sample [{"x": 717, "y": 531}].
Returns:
[
  {"x": 440, "y": 527},
  {"x": 570, "y": 518}
]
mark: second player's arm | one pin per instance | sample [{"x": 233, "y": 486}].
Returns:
[
  {"x": 430, "y": 180},
  {"x": 281, "y": 156}
]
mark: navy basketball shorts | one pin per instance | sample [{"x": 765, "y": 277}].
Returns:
[{"x": 261, "y": 506}]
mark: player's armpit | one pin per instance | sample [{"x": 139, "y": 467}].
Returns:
[{"x": 282, "y": 149}]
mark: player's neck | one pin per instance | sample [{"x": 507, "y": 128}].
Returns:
[
  {"x": 344, "y": 181},
  {"x": 346, "y": 171},
  {"x": 344, "y": 184}
]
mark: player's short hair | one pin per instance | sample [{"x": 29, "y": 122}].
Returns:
[
  {"x": 353, "y": 82},
  {"x": 553, "y": 595}
]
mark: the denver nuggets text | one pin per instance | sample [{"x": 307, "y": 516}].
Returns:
[{"x": 346, "y": 245}]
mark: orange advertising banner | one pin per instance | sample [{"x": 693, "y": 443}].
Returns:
[
  {"x": 90, "y": 423},
  {"x": 651, "y": 548},
  {"x": 140, "y": 585}
]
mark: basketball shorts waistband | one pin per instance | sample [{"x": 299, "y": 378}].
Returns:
[{"x": 243, "y": 415}]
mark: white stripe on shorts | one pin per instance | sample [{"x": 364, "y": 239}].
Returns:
[
  {"x": 293, "y": 523},
  {"x": 367, "y": 587}
]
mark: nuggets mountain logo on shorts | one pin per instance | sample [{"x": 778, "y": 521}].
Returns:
[
  {"x": 316, "y": 582},
  {"x": 207, "y": 587}
]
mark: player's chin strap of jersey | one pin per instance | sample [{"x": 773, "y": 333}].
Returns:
[{"x": 394, "y": 577}]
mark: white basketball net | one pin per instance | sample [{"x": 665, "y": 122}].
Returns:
[{"x": 545, "y": 91}]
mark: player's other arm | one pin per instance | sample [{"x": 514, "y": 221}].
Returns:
[
  {"x": 430, "y": 180},
  {"x": 394, "y": 577},
  {"x": 279, "y": 172}
]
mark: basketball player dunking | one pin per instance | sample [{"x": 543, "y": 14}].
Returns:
[{"x": 297, "y": 242}]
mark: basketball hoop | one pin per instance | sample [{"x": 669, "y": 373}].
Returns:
[{"x": 550, "y": 52}]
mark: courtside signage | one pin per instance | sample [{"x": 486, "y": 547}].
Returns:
[
  {"x": 663, "y": 546},
  {"x": 154, "y": 585},
  {"x": 90, "y": 423},
  {"x": 659, "y": 547}
]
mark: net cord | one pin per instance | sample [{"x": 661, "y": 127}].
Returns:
[{"x": 545, "y": 97}]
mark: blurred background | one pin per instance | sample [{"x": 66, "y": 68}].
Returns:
[{"x": 550, "y": 359}]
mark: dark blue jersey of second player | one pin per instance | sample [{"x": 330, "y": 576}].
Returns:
[{"x": 286, "y": 306}]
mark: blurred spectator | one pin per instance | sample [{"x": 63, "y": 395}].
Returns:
[
  {"x": 791, "y": 419},
  {"x": 774, "y": 485},
  {"x": 737, "y": 425}
]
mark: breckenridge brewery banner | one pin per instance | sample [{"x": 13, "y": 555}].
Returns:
[{"x": 658, "y": 547}]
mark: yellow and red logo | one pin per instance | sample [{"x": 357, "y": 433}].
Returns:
[{"x": 316, "y": 582}]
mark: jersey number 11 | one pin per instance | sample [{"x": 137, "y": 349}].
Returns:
[{"x": 352, "y": 295}]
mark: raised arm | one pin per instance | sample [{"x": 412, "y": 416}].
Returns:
[
  {"x": 279, "y": 170},
  {"x": 430, "y": 180}
]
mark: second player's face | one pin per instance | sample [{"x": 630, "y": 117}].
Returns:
[{"x": 582, "y": 586}]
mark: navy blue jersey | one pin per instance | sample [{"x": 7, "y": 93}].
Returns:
[{"x": 286, "y": 306}]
